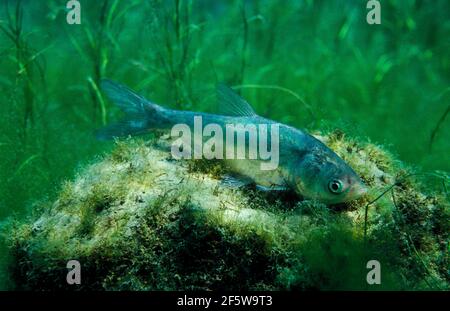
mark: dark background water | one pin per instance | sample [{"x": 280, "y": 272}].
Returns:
[{"x": 387, "y": 83}]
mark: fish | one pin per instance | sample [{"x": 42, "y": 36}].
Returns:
[{"x": 306, "y": 165}]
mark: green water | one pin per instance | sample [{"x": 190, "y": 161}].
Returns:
[{"x": 311, "y": 64}]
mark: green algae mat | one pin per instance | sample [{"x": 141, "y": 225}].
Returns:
[{"x": 138, "y": 220}]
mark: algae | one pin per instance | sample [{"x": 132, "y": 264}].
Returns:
[{"x": 138, "y": 220}]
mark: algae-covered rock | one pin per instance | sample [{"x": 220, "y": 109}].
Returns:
[{"x": 138, "y": 220}]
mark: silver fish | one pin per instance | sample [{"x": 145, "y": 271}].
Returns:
[{"x": 306, "y": 165}]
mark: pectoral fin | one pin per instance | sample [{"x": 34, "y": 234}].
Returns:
[{"x": 236, "y": 181}]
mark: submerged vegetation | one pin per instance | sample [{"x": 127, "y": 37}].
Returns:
[
  {"x": 310, "y": 64},
  {"x": 137, "y": 220}
]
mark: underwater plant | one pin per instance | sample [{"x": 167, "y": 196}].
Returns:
[
  {"x": 29, "y": 68},
  {"x": 97, "y": 46}
]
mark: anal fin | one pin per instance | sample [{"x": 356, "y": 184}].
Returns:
[{"x": 272, "y": 188}]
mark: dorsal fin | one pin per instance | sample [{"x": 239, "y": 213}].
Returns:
[{"x": 231, "y": 104}]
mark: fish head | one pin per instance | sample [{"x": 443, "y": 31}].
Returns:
[{"x": 324, "y": 176}]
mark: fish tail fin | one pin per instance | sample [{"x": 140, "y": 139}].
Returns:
[{"x": 140, "y": 113}]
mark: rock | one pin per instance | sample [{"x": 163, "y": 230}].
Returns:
[{"x": 137, "y": 220}]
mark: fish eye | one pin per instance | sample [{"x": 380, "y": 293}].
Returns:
[{"x": 335, "y": 186}]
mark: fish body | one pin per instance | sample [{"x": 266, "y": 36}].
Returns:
[{"x": 306, "y": 165}]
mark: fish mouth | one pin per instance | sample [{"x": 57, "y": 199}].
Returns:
[
  {"x": 356, "y": 191},
  {"x": 359, "y": 190}
]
